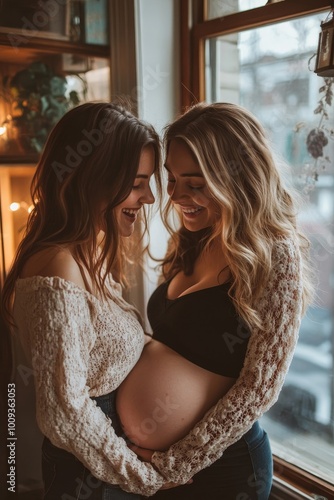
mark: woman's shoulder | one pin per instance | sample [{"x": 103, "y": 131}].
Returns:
[{"x": 53, "y": 262}]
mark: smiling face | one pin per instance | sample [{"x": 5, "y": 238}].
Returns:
[
  {"x": 187, "y": 188},
  {"x": 127, "y": 211}
]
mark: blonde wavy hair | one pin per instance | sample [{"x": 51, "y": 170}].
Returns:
[
  {"x": 91, "y": 157},
  {"x": 235, "y": 158}
]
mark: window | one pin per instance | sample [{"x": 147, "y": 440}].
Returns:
[
  {"x": 216, "y": 8},
  {"x": 264, "y": 61}
]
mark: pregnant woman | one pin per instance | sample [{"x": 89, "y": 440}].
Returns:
[{"x": 226, "y": 318}]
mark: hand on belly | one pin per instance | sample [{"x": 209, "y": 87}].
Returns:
[{"x": 164, "y": 396}]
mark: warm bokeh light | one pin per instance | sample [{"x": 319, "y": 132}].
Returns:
[
  {"x": 14, "y": 206},
  {"x": 23, "y": 204}
]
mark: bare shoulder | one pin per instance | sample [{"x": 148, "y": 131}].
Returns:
[{"x": 51, "y": 262}]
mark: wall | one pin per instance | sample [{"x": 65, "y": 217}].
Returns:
[
  {"x": 158, "y": 60},
  {"x": 157, "y": 44}
]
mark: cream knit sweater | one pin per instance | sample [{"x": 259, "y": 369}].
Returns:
[{"x": 79, "y": 347}]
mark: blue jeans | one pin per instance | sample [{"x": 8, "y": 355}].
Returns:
[
  {"x": 244, "y": 472},
  {"x": 66, "y": 478}
]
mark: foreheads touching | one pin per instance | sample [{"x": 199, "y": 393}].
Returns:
[{"x": 229, "y": 148}]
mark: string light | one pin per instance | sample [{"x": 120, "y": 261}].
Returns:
[{"x": 15, "y": 206}]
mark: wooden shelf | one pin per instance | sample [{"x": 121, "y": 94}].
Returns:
[{"x": 39, "y": 46}]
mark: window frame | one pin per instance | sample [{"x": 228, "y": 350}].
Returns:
[
  {"x": 290, "y": 481},
  {"x": 195, "y": 30}
]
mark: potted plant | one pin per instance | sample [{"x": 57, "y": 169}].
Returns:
[{"x": 38, "y": 99}]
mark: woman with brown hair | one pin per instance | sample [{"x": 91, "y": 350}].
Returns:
[{"x": 64, "y": 296}]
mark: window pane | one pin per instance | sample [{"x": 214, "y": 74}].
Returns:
[
  {"x": 226, "y": 7},
  {"x": 266, "y": 70}
]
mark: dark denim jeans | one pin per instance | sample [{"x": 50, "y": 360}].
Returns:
[
  {"x": 66, "y": 478},
  {"x": 244, "y": 472}
]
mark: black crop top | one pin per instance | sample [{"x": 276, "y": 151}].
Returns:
[{"x": 202, "y": 326}]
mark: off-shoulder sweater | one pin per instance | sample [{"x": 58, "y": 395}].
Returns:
[
  {"x": 80, "y": 347},
  {"x": 269, "y": 354}
]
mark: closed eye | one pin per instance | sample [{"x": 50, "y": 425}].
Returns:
[{"x": 172, "y": 181}]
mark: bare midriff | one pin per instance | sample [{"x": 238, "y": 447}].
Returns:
[{"x": 164, "y": 396}]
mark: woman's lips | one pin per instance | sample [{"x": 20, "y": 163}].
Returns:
[
  {"x": 130, "y": 213},
  {"x": 191, "y": 212}
]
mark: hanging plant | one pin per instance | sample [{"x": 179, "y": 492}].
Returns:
[
  {"x": 318, "y": 138},
  {"x": 39, "y": 100}
]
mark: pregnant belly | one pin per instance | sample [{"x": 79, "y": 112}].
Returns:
[{"x": 164, "y": 396}]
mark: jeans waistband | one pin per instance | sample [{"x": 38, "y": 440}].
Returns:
[
  {"x": 250, "y": 439},
  {"x": 254, "y": 433},
  {"x": 106, "y": 402}
]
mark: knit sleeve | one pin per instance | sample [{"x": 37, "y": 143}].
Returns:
[
  {"x": 60, "y": 338},
  {"x": 268, "y": 358}
]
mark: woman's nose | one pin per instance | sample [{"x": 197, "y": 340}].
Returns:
[
  {"x": 176, "y": 193},
  {"x": 148, "y": 197}
]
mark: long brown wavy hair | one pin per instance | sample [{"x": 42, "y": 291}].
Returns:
[
  {"x": 91, "y": 156},
  {"x": 231, "y": 148}
]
